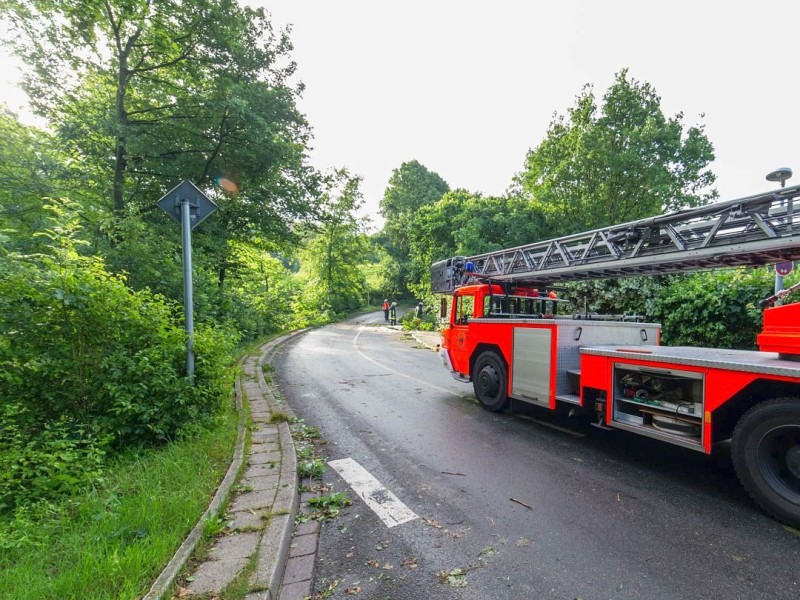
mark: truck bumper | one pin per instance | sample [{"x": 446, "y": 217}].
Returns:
[{"x": 445, "y": 356}]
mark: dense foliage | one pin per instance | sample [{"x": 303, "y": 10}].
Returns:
[
  {"x": 330, "y": 282},
  {"x": 713, "y": 309},
  {"x": 89, "y": 365},
  {"x": 718, "y": 309},
  {"x": 465, "y": 224},
  {"x": 411, "y": 187},
  {"x": 615, "y": 163}
]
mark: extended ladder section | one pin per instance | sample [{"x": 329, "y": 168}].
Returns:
[{"x": 750, "y": 231}]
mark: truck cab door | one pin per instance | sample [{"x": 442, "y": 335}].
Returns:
[{"x": 459, "y": 343}]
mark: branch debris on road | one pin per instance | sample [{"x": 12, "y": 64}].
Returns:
[{"x": 528, "y": 506}]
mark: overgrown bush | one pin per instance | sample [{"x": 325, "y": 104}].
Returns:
[
  {"x": 89, "y": 365},
  {"x": 40, "y": 461},
  {"x": 715, "y": 309},
  {"x": 428, "y": 322}
]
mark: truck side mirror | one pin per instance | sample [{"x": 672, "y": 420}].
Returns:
[{"x": 443, "y": 309}]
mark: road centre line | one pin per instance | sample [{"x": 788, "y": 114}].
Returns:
[
  {"x": 388, "y": 368},
  {"x": 384, "y": 503}
]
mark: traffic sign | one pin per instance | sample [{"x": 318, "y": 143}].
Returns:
[
  {"x": 783, "y": 268},
  {"x": 200, "y": 205},
  {"x": 189, "y": 207}
]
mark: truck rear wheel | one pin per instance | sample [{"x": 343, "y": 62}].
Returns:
[
  {"x": 490, "y": 381},
  {"x": 766, "y": 455}
]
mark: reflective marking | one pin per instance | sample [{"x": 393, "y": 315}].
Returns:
[{"x": 385, "y": 504}]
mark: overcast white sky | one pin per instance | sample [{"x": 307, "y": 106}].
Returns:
[{"x": 467, "y": 87}]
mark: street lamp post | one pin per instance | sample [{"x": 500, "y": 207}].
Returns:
[{"x": 781, "y": 175}]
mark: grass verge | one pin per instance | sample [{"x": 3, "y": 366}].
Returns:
[{"x": 113, "y": 541}]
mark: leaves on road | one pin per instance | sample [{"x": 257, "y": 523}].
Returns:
[{"x": 454, "y": 578}]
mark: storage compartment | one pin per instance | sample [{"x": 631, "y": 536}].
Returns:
[{"x": 666, "y": 403}]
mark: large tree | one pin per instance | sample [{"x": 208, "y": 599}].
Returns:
[
  {"x": 151, "y": 93},
  {"x": 411, "y": 187},
  {"x": 332, "y": 281},
  {"x": 462, "y": 223},
  {"x": 617, "y": 162},
  {"x": 28, "y": 169}
]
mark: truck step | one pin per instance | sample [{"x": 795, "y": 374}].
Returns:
[
  {"x": 570, "y": 398},
  {"x": 601, "y": 426}
]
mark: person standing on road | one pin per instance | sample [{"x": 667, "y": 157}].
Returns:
[
  {"x": 385, "y": 307},
  {"x": 393, "y": 314},
  {"x": 418, "y": 311}
]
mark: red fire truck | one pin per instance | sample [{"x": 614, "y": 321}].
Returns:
[{"x": 505, "y": 333}]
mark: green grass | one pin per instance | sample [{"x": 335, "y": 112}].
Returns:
[
  {"x": 281, "y": 417},
  {"x": 114, "y": 540},
  {"x": 312, "y": 468},
  {"x": 328, "y": 506}
]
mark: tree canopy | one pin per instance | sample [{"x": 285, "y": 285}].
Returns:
[
  {"x": 149, "y": 93},
  {"x": 465, "y": 224},
  {"x": 410, "y": 187},
  {"x": 617, "y": 162},
  {"x": 332, "y": 280}
]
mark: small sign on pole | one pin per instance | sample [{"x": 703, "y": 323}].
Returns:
[
  {"x": 187, "y": 205},
  {"x": 783, "y": 268}
]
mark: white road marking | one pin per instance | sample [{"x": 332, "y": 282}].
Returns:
[
  {"x": 396, "y": 372},
  {"x": 385, "y": 504}
]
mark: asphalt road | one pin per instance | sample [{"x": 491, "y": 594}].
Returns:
[{"x": 515, "y": 505}]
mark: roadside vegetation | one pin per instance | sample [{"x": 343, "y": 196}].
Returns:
[
  {"x": 111, "y": 539},
  {"x": 108, "y": 451}
]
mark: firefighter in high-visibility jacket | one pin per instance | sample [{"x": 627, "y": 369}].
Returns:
[{"x": 385, "y": 308}]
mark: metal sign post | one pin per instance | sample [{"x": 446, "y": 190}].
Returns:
[{"x": 188, "y": 206}]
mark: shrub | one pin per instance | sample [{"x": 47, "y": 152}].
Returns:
[
  {"x": 428, "y": 322},
  {"x": 87, "y": 364},
  {"x": 716, "y": 309},
  {"x": 43, "y": 462}
]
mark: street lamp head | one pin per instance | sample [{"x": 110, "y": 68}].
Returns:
[{"x": 781, "y": 175}]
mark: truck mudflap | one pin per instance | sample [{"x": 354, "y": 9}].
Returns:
[{"x": 445, "y": 356}]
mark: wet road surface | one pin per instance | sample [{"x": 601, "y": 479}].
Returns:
[{"x": 522, "y": 505}]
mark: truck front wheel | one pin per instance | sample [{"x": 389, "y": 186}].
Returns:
[
  {"x": 490, "y": 381},
  {"x": 766, "y": 455}
]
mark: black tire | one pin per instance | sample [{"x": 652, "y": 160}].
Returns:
[
  {"x": 490, "y": 381},
  {"x": 765, "y": 450}
]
